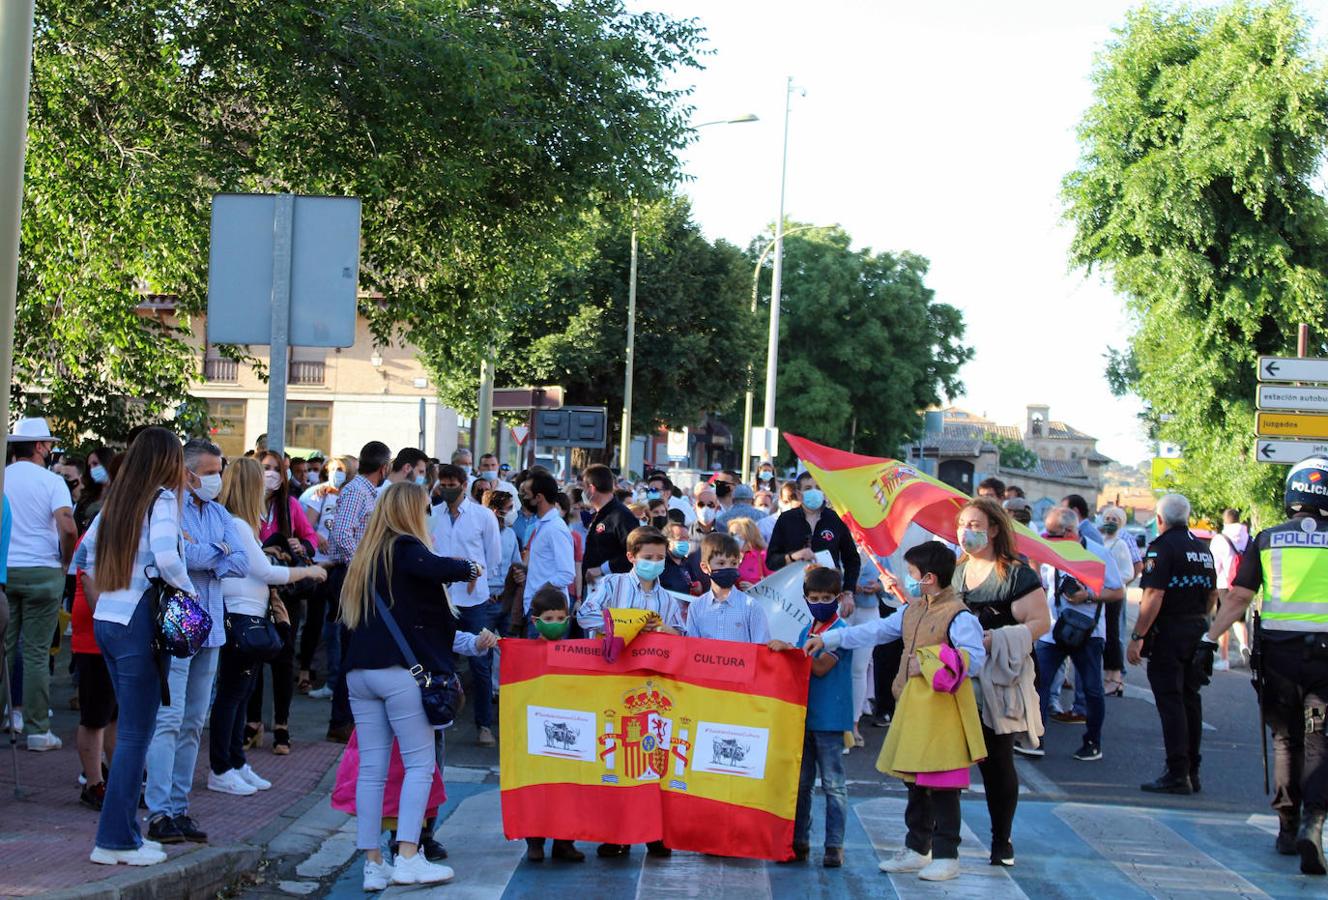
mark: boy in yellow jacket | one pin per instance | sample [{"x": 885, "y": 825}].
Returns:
[{"x": 936, "y": 733}]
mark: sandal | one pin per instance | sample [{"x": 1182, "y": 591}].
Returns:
[
  {"x": 305, "y": 684},
  {"x": 280, "y": 740},
  {"x": 253, "y": 736},
  {"x": 1115, "y": 687}
]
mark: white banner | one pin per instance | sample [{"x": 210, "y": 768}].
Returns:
[{"x": 785, "y": 606}]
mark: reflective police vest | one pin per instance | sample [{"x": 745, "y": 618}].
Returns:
[{"x": 1295, "y": 578}]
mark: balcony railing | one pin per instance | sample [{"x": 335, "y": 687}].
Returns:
[
  {"x": 221, "y": 370},
  {"x": 306, "y": 372}
]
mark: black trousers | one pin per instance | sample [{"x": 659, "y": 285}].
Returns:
[
  {"x": 1113, "y": 653},
  {"x": 235, "y": 681},
  {"x": 1000, "y": 782},
  {"x": 932, "y": 818},
  {"x": 1175, "y": 685},
  {"x": 1293, "y": 687},
  {"x": 283, "y": 674},
  {"x": 885, "y": 665}
]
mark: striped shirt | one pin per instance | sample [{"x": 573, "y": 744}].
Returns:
[
  {"x": 159, "y": 549},
  {"x": 735, "y": 618},
  {"x": 354, "y": 505},
  {"x": 622, "y": 590}
]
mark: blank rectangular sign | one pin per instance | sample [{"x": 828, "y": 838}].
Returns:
[{"x": 325, "y": 263}]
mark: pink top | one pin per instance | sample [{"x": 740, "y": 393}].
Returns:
[
  {"x": 299, "y": 525},
  {"x": 752, "y": 568}
]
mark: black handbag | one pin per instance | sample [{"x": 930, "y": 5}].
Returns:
[
  {"x": 254, "y": 637},
  {"x": 441, "y": 694},
  {"x": 1073, "y": 627}
]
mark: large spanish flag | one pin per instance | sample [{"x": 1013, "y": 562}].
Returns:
[
  {"x": 694, "y": 742},
  {"x": 878, "y": 498}
]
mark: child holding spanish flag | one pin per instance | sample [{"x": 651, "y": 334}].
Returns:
[
  {"x": 936, "y": 734},
  {"x": 549, "y": 618}
]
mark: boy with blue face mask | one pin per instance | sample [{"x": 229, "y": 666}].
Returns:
[
  {"x": 637, "y": 589},
  {"x": 829, "y": 715},
  {"x": 725, "y": 613}
]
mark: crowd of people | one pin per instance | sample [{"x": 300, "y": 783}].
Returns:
[{"x": 389, "y": 568}]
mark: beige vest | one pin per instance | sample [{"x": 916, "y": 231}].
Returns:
[{"x": 926, "y": 624}]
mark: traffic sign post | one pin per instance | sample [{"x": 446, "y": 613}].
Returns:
[
  {"x": 1290, "y": 368},
  {"x": 1293, "y": 397},
  {"x": 1287, "y": 452}
]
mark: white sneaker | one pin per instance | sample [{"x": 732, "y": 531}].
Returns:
[
  {"x": 940, "y": 870},
  {"x": 377, "y": 876},
  {"x": 16, "y": 720},
  {"x": 39, "y": 743},
  {"x": 153, "y": 845},
  {"x": 230, "y": 783},
  {"x": 143, "y": 856},
  {"x": 322, "y": 693},
  {"x": 418, "y": 870},
  {"x": 253, "y": 778},
  {"x": 1221, "y": 665},
  {"x": 906, "y": 860}
]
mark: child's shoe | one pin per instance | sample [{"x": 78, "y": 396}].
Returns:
[
  {"x": 834, "y": 857},
  {"x": 906, "y": 860},
  {"x": 566, "y": 852},
  {"x": 940, "y": 870},
  {"x": 534, "y": 849}
]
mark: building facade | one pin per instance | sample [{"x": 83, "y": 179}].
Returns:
[{"x": 967, "y": 450}]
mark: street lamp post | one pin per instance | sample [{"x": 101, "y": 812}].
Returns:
[
  {"x": 776, "y": 284},
  {"x": 747, "y": 403},
  {"x": 625, "y": 443}
]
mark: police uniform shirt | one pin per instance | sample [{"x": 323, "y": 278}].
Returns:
[
  {"x": 1182, "y": 568},
  {"x": 1303, "y": 531}
]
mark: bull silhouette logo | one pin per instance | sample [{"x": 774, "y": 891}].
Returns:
[
  {"x": 560, "y": 735},
  {"x": 727, "y": 752}
]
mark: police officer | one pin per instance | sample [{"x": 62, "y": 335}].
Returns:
[
  {"x": 1290, "y": 563},
  {"x": 1179, "y": 583}
]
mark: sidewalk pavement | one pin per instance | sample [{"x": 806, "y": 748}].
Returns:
[{"x": 46, "y": 837}]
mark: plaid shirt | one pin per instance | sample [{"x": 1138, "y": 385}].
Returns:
[{"x": 354, "y": 505}]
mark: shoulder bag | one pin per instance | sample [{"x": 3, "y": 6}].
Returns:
[
  {"x": 1073, "y": 627},
  {"x": 180, "y": 623},
  {"x": 441, "y": 694}
]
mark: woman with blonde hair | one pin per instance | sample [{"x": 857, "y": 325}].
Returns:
[
  {"x": 1005, "y": 593},
  {"x": 138, "y": 529},
  {"x": 395, "y": 567},
  {"x": 752, "y": 568},
  {"x": 246, "y": 598}
]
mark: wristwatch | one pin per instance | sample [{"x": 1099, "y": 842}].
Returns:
[{"x": 1136, "y": 636}]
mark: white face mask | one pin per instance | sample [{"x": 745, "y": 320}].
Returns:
[
  {"x": 509, "y": 517},
  {"x": 338, "y": 478},
  {"x": 706, "y": 514},
  {"x": 271, "y": 480},
  {"x": 209, "y": 486}
]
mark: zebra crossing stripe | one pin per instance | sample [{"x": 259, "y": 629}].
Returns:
[
  {"x": 697, "y": 875},
  {"x": 883, "y": 820},
  {"x": 482, "y": 857},
  {"x": 1152, "y": 855}
]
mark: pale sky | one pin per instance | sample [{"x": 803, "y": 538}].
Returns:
[{"x": 943, "y": 128}]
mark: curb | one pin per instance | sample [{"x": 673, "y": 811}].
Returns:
[{"x": 201, "y": 874}]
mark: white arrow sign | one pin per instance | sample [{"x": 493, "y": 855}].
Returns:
[
  {"x": 1288, "y": 452},
  {"x": 1291, "y": 368},
  {"x": 1306, "y": 399}
]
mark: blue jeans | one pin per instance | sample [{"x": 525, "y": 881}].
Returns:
[
  {"x": 822, "y": 750},
  {"x": 472, "y": 619},
  {"x": 174, "y": 748},
  {"x": 133, "y": 669},
  {"x": 1087, "y": 662},
  {"x": 1058, "y": 681}
]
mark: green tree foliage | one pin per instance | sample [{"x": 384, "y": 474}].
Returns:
[
  {"x": 473, "y": 131},
  {"x": 1014, "y": 455},
  {"x": 863, "y": 347},
  {"x": 1195, "y": 192},
  {"x": 695, "y": 334}
]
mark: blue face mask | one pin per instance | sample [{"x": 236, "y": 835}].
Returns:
[
  {"x": 489, "y": 476},
  {"x": 338, "y": 478},
  {"x": 682, "y": 548},
  {"x": 725, "y": 578},
  {"x": 823, "y": 612},
  {"x": 648, "y": 569},
  {"x": 912, "y": 586},
  {"x": 652, "y": 495},
  {"x": 813, "y": 499}
]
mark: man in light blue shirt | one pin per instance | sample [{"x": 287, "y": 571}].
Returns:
[
  {"x": 213, "y": 550},
  {"x": 549, "y": 555}
]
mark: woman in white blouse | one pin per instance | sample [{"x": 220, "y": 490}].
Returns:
[
  {"x": 242, "y": 494},
  {"x": 137, "y": 530}
]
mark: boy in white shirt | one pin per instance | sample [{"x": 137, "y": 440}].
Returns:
[
  {"x": 637, "y": 589},
  {"x": 725, "y": 613}
]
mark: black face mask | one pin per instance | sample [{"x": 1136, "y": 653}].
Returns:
[
  {"x": 723, "y": 489},
  {"x": 449, "y": 495},
  {"x": 659, "y": 522}
]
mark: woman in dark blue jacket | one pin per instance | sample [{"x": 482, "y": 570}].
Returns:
[{"x": 394, "y": 562}]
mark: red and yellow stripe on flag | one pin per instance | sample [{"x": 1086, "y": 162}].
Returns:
[
  {"x": 694, "y": 742},
  {"x": 878, "y": 498}
]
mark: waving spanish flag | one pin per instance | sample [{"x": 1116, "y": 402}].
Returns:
[{"x": 878, "y": 498}]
